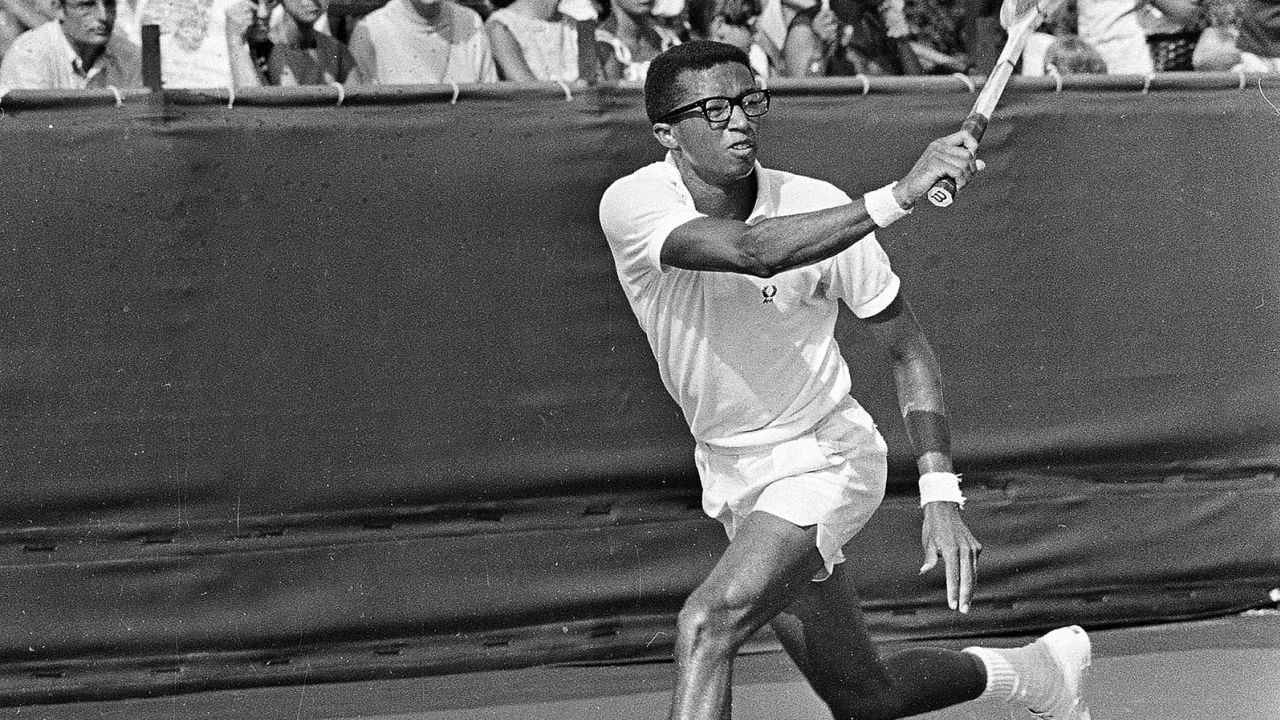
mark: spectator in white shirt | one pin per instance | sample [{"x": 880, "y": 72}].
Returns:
[
  {"x": 79, "y": 50},
  {"x": 423, "y": 42}
]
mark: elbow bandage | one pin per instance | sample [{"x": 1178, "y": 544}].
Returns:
[{"x": 940, "y": 486}]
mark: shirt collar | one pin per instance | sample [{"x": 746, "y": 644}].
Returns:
[
  {"x": 765, "y": 206},
  {"x": 73, "y": 57}
]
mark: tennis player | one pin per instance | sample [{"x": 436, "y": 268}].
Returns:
[{"x": 734, "y": 272}]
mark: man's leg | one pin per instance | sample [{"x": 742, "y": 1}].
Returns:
[
  {"x": 824, "y": 632},
  {"x": 768, "y": 562}
]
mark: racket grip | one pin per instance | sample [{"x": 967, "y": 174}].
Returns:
[{"x": 943, "y": 192}]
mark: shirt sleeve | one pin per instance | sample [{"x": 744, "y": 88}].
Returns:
[
  {"x": 637, "y": 214},
  {"x": 863, "y": 278},
  {"x": 360, "y": 45},
  {"x": 23, "y": 67}
]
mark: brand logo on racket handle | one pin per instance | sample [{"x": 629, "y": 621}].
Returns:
[{"x": 943, "y": 193}]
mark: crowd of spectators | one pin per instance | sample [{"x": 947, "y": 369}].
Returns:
[{"x": 69, "y": 44}]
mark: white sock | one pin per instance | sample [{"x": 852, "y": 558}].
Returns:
[
  {"x": 1002, "y": 677},
  {"x": 1026, "y": 674}
]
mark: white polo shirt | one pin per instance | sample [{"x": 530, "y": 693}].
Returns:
[
  {"x": 751, "y": 361},
  {"x": 42, "y": 58}
]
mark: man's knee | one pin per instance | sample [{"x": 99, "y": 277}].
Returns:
[{"x": 719, "y": 616}]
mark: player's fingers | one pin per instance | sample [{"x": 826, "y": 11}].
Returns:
[
  {"x": 969, "y": 160},
  {"x": 951, "y": 557},
  {"x": 968, "y": 577},
  {"x": 956, "y": 154},
  {"x": 958, "y": 168},
  {"x": 930, "y": 559},
  {"x": 980, "y": 165},
  {"x": 959, "y": 138}
]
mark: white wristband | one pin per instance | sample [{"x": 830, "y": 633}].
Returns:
[
  {"x": 882, "y": 207},
  {"x": 940, "y": 486}
]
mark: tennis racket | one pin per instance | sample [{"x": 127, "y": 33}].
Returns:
[{"x": 1019, "y": 18}]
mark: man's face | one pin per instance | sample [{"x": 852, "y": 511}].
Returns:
[
  {"x": 306, "y": 12},
  {"x": 88, "y": 21},
  {"x": 717, "y": 152}
]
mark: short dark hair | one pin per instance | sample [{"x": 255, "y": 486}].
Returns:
[{"x": 662, "y": 84}]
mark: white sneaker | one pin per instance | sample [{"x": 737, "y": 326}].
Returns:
[{"x": 1072, "y": 653}]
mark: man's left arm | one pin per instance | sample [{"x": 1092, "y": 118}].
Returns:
[
  {"x": 918, "y": 379},
  {"x": 244, "y": 72}
]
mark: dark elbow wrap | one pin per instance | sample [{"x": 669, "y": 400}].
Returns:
[{"x": 929, "y": 431}]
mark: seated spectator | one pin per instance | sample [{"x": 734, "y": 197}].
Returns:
[
  {"x": 533, "y": 41},
  {"x": 300, "y": 53},
  {"x": 1112, "y": 28},
  {"x": 1063, "y": 23},
  {"x": 733, "y": 22},
  {"x": 954, "y": 36},
  {"x": 1216, "y": 48},
  {"x": 416, "y": 42},
  {"x": 80, "y": 51},
  {"x": 1259, "y": 41},
  {"x": 799, "y": 32},
  {"x": 629, "y": 39},
  {"x": 19, "y": 16},
  {"x": 875, "y": 39},
  {"x": 1115, "y": 28},
  {"x": 193, "y": 39},
  {"x": 1172, "y": 32},
  {"x": 1068, "y": 54}
]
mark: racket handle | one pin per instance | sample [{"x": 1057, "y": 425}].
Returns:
[{"x": 943, "y": 192}]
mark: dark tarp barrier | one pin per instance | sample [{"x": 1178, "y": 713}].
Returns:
[{"x": 298, "y": 390}]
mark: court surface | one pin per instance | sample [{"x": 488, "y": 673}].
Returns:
[{"x": 1218, "y": 669}]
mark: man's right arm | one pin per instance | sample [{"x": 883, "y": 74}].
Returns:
[
  {"x": 240, "y": 16},
  {"x": 30, "y": 14},
  {"x": 782, "y": 243}
]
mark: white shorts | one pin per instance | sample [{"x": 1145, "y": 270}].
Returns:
[{"x": 832, "y": 476}]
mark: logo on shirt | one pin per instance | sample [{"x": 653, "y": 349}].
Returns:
[{"x": 768, "y": 291}]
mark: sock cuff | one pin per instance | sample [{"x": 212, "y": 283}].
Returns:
[{"x": 1002, "y": 678}]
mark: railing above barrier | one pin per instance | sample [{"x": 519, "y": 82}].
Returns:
[{"x": 852, "y": 86}]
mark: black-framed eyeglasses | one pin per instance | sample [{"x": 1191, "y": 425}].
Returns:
[{"x": 754, "y": 103}]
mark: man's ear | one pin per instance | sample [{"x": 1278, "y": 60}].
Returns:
[{"x": 666, "y": 135}]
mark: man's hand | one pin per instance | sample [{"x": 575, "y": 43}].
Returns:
[
  {"x": 894, "y": 13},
  {"x": 951, "y": 156},
  {"x": 945, "y": 534},
  {"x": 826, "y": 26}
]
